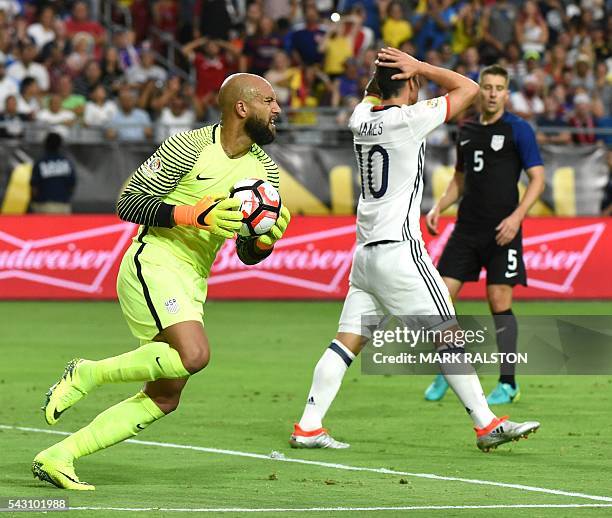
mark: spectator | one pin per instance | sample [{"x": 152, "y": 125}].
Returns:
[
  {"x": 468, "y": 29},
  {"x": 526, "y": 103},
  {"x": 214, "y": 19},
  {"x": 112, "y": 73},
  {"x": 165, "y": 14},
  {"x": 254, "y": 14},
  {"x": 147, "y": 70},
  {"x": 27, "y": 67},
  {"x": 280, "y": 75},
  {"x": 347, "y": 84},
  {"x": 53, "y": 180},
  {"x": 364, "y": 36},
  {"x": 551, "y": 118},
  {"x": 583, "y": 74},
  {"x": 583, "y": 119},
  {"x": 471, "y": 60},
  {"x": 498, "y": 23},
  {"x": 70, "y": 100},
  {"x": 82, "y": 52},
  {"x": 304, "y": 42},
  {"x": 395, "y": 29},
  {"x": 213, "y": 60},
  {"x": 99, "y": 111},
  {"x": 603, "y": 121},
  {"x": 80, "y": 22},
  {"x": 260, "y": 48},
  {"x": 175, "y": 118},
  {"x": 8, "y": 86},
  {"x": 28, "y": 102},
  {"x": 12, "y": 123},
  {"x": 432, "y": 30},
  {"x": 372, "y": 19},
  {"x": 337, "y": 46},
  {"x": 43, "y": 32},
  {"x": 555, "y": 16},
  {"x": 531, "y": 29},
  {"x": 129, "y": 123},
  {"x": 124, "y": 42},
  {"x": 57, "y": 119},
  {"x": 89, "y": 79}
]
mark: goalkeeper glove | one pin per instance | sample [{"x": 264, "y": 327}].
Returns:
[
  {"x": 267, "y": 240},
  {"x": 215, "y": 213}
]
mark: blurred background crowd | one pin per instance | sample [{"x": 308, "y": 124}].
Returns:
[{"x": 141, "y": 70}]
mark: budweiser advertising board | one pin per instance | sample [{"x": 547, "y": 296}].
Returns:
[{"x": 77, "y": 257}]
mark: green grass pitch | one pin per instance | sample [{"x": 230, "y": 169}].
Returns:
[{"x": 263, "y": 354}]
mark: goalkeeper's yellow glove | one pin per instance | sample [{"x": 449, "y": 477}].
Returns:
[
  {"x": 216, "y": 213},
  {"x": 267, "y": 240}
]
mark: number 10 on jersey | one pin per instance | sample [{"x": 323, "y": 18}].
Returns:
[{"x": 369, "y": 177}]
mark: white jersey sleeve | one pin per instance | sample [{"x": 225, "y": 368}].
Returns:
[{"x": 425, "y": 116}]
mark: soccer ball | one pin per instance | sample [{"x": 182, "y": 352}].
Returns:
[{"x": 260, "y": 205}]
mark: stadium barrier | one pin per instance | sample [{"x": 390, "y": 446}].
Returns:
[
  {"x": 77, "y": 257},
  {"x": 316, "y": 180}
]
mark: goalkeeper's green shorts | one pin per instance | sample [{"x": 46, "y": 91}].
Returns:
[{"x": 157, "y": 290}]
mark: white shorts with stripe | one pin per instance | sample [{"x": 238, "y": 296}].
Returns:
[{"x": 396, "y": 278}]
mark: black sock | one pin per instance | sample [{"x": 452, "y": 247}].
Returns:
[{"x": 506, "y": 334}]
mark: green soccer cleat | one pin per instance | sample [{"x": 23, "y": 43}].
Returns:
[
  {"x": 64, "y": 394},
  {"x": 437, "y": 389},
  {"x": 503, "y": 394},
  {"x": 58, "y": 472}
]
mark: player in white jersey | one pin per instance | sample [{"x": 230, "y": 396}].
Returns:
[{"x": 392, "y": 273}]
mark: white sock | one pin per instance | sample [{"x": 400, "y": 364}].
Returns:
[
  {"x": 469, "y": 391},
  {"x": 326, "y": 382}
]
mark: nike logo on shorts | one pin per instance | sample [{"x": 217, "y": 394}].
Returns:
[
  {"x": 509, "y": 275},
  {"x": 464, "y": 142}
]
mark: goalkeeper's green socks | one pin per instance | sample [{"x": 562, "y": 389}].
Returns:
[
  {"x": 152, "y": 361},
  {"x": 119, "y": 422}
]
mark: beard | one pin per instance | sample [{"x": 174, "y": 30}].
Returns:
[{"x": 259, "y": 131}]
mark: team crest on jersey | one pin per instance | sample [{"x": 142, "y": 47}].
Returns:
[
  {"x": 497, "y": 142},
  {"x": 172, "y": 306},
  {"x": 153, "y": 166},
  {"x": 432, "y": 103}
]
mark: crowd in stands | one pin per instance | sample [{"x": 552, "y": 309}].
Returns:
[{"x": 63, "y": 68}]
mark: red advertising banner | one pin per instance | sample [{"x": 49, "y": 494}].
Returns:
[{"x": 77, "y": 257}]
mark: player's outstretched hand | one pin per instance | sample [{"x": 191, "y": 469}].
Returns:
[
  {"x": 507, "y": 229},
  {"x": 216, "y": 213},
  {"x": 390, "y": 57},
  {"x": 267, "y": 240},
  {"x": 432, "y": 219}
]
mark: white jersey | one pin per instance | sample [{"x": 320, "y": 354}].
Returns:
[{"x": 390, "y": 150}]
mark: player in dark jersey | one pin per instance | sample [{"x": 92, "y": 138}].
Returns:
[{"x": 491, "y": 153}]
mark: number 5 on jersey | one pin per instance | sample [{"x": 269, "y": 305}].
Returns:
[
  {"x": 478, "y": 160},
  {"x": 379, "y": 177}
]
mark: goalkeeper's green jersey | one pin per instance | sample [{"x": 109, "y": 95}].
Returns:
[{"x": 185, "y": 168}]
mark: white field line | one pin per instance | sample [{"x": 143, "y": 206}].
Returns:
[
  {"x": 338, "y": 509},
  {"x": 333, "y": 465}
]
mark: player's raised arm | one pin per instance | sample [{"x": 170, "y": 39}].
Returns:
[{"x": 461, "y": 90}]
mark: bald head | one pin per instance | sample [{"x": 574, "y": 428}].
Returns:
[
  {"x": 242, "y": 87},
  {"x": 248, "y": 104}
]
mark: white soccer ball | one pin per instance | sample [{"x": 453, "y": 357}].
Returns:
[{"x": 260, "y": 205}]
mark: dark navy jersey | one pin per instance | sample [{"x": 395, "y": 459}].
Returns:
[
  {"x": 492, "y": 158},
  {"x": 53, "y": 179}
]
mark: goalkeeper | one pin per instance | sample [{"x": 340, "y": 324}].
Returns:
[{"x": 179, "y": 197}]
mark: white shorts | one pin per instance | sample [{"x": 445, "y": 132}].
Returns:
[{"x": 393, "y": 279}]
